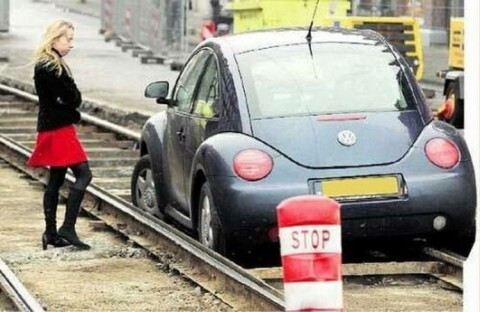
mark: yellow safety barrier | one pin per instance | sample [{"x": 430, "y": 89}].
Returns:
[
  {"x": 249, "y": 15},
  {"x": 455, "y": 52},
  {"x": 402, "y": 32}
]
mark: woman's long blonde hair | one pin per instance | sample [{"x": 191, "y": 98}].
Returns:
[{"x": 45, "y": 53}]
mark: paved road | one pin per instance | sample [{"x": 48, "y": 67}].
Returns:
[{"x": 101, "y": 70}]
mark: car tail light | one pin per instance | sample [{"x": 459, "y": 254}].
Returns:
[
  {"x": 442, "y": 153},
  {"x": 252, "y": 164}
]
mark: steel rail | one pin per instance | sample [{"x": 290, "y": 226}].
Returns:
[
  {"x": 132, "y": 135},
  {"x": 228, "y": 281},
  {"x": 445, "y": 256},
  {"x": 16, "y": 291},
  {"x": 221, "y": 277},
  {"x": 453, "y": 271}
]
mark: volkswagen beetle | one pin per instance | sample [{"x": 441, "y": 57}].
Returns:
[{"x": 260, "y": 117}]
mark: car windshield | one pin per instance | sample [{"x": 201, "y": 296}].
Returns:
[{"x": 334, "y": 78}]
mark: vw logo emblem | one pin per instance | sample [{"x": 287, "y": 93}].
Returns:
[{"x": 347, "y": 138}]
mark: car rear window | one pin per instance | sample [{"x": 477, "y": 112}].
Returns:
[{"x": 332, "y": 78}]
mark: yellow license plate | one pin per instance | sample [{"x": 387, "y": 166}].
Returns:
[{"x": 361, "y": 187}]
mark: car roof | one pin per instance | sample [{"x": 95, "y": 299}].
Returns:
[{"x": 244, "y": 42}]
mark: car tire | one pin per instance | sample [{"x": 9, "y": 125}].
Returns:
[
  {"x": 143, "y": 187},
  {"x": 210, "y": 232},
  {"x": 457, "y": 118}
]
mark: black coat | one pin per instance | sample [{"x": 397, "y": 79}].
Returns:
[{"x": 58, "y": 98}]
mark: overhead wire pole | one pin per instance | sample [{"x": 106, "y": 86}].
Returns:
[
  {"x": 184, "y": 9},
  {"x": 354, "y": 4},
  {"x": 215, "y": 4}
]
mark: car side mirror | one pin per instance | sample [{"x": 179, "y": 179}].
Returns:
[{"x": 158, "y": 90}]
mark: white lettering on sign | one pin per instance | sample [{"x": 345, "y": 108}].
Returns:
[{"x": 310, "y": 239}]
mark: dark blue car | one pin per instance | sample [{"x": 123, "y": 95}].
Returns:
[{"x": 256, "y": 118}]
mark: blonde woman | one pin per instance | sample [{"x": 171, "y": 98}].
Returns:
[{"x": 57, "y": 144}]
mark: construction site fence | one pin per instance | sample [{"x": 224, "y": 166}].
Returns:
[
  {"x": 432, "y": 15},
  {"x": 159, "y": 25},
  {"x": 4, "y": 15}
]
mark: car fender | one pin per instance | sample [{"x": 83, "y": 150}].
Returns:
[
  {"x": 215, "y": 155},
  {"x": 214, "y": 158},
  {"x": 152, "y": 143},
  {"x": 441, "y": 129}
]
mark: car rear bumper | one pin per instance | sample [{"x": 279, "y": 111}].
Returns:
[{"x": 248, "y": 209}]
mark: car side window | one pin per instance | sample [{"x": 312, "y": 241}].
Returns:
[
  {"x": 206, "y": 102},
  {"x": 187, "y": 82}
]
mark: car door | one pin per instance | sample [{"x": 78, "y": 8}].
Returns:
[
  {"x": 178, "y": 114},
  {"x": 204, "y": 120}
]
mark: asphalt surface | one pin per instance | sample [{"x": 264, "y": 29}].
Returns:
[{"x": 102, "y": 71}]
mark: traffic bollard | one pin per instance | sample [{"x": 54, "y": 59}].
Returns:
[{"x": 310, "y": 242}]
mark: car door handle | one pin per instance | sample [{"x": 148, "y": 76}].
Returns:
[{"x": 181, "y": 134}]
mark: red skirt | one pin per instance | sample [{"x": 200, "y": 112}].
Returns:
[{"x": 57, "y": 148}]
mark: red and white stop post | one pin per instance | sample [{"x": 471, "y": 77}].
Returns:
[{"x": 311, "y": 249}]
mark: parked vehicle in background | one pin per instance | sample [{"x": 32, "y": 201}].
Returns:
[
  {"x": 452, "y": 110},
  {"x": 4, "y": 15},
  {"x": 259, "y": 117}
]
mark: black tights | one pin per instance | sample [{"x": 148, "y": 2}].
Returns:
[{"x": 82, "y": 174}]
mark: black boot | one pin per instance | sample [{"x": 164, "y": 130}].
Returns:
[
  {"x": 54, "y": 240},
  {"x": 49, "y": 237},
  {"x": 67, "y": 231}
]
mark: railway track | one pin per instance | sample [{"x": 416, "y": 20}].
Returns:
[
  {"x": 115, "y": 273},
  {"x": 16, "y": 294},
  {"x": 112, "y": 157}
]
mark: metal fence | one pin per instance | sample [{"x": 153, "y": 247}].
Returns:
[
  {"x": 4, "y": 15},
  {"x": 432, "y": 15},
  {"x": 157, "y": 24}
]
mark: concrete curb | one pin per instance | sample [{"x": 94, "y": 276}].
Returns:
[{"x": 133, "y": 121}]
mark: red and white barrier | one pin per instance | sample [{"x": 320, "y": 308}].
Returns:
[{"x": 310, "y": 241}]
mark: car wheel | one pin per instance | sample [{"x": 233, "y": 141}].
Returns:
[
  {"x": 209, "y": 225},
  {"x": 456, "y": 118},
  {"x": 143, "y": 187}
]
